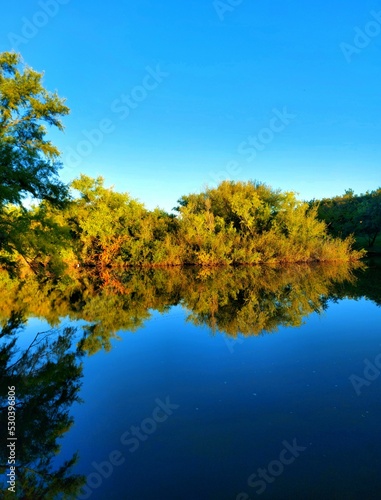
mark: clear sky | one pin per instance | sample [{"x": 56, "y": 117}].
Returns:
[{"x": 167, "y": 97}]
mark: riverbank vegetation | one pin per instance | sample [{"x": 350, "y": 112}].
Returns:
[
  {"x": 351, "y": 214},
  {"x": 236, "y": 223},
  {"x": 88, "y": 224}
]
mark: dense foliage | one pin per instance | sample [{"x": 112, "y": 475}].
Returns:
[
  {"x": 235, "y": 223},
  {"x": 353, "y": 214},
  {"x": 29, "y": 162},
  {"x": 249, "y": 223}
]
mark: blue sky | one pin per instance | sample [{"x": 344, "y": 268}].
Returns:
[{"x": 168, "y": 97}]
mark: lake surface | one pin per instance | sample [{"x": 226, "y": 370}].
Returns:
[{"x": 225, "y": 384}]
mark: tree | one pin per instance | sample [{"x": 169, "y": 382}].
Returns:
[
  {"x": 113, "y": 229},
  {"x": 369, "y": 216},
  {"x": 28, "y": 160},
  {"x": 250, "y": 223},
  {"x": 105, "y": 224},
  {"x": 359, "y": 215},
  {"x": 29, "y": 163}
]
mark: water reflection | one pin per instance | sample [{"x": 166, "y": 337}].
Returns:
[
  {"x": 251, "y": 301},
  {"x": 243, "y": 300},
  {"x": 45, "y": 379}
]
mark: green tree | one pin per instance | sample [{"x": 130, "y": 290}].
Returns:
[
  {"x": 105, "y": 224},
  {"x": 359, "y": 215},
  {"x": 249, "y": 223},
  {"x": 369, "y": 216},
  {"x": 28, "y": 160},
  {"x": 113, "y": 229}
]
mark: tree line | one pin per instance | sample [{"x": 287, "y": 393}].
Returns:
[
  {"x": 89, "y": 224},
  {"x": 348, "y": 214}
]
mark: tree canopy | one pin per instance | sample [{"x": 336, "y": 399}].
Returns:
[
  {"x": 359, "y": 215},
  {"x": 250, "y": 223},
  {"x": 234, "y": 223},
  {"x": 28, "y": 160},
  {"x": 29, "y": 163}
]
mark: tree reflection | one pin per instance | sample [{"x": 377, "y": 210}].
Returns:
[
  {"x": 251, "y": 301},
  {"x": 245, "y": 300},
  {"x": 46, "y": 378},
  {"x": 367, "y": 284},
  {"x": 46, "y": 374}
]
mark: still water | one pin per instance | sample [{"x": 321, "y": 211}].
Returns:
[{"x": 230, "y": 384}]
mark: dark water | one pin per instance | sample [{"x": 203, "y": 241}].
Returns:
[{"x": 239, "y": 384}]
